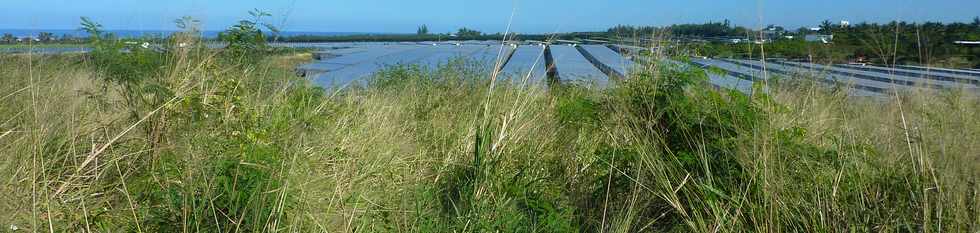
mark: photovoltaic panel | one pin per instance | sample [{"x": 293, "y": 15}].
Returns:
[
  {"x": 527, "y": 59},
  {"x": 573, "y": 67},
  {"x": 610, "y": 58}
]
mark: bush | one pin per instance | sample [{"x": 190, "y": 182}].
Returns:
[{"x": 245, "y": 40}]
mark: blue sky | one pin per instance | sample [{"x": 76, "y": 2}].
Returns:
[{"x": 488, "y": 16}]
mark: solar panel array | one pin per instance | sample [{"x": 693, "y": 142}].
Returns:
[
  {"x": 355, "y": 67},
  {"x": 340, "y": 64},
  {"x": 861, "y": 80}
]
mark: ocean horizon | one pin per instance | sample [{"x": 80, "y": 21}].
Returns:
[{"x": 129, "y": 33}]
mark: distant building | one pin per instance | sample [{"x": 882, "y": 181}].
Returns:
[
  {"x": 826, "y": 39},
  {"x": 28, "y": 38}
]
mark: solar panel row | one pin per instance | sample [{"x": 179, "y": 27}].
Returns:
[
  {"x": 527, "y": 62},
  {"x": 345, "y": 63},
  {"x": 863, "y": 80},
  {"x": 354, "y": 68},
  {"x": 573, "y": 67},
  {"x": 609, "y": 59},
  {"x": 943, "y": 70}
]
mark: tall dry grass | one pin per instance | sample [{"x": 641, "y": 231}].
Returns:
[{"x": 233, "y": 146}]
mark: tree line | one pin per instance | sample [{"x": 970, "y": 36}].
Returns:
[
  {"x": 896, "y": 42},
  {"x": 904, "y": 42},
  {"x": 709, "y": 29}
]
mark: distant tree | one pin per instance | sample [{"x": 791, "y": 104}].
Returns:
[
  {"x": 710, "y": 29},
  {"x": 45, "y": 36},
  {"x": 246, "y": 39},
  {"x": 826, "y": 26},
  {"x": 8, "y": 38},
  {"x": 466, "y": 32},
  {"x": 423, "y": 30},
  {"x": 976, "y": 22},
  {"x": 622, "y": 30}
]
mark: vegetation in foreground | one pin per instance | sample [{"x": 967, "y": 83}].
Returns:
[{"x": 191, "y": 139}]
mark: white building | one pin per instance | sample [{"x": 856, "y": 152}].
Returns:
[{"x": 826, "y": 39}]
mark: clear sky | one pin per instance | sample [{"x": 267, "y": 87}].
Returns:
[{"x": 489, "y": 16}]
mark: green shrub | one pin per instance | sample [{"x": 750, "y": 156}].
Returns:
[{"x": 246, "y": 41}]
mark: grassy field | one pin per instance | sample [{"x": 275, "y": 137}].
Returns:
[{"x": 194, "y": 140}]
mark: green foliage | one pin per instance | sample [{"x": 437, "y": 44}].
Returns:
[
  {"x": 576, "y": 107},
  {"x": 467, "y": 33},
  {"x": 399, "y": 77},
  {"x": 443, "y": 76},
  {"x": 910, "y": 43},
  {"x": 710, "y": 29},
  {"x": 929, "y": 43},
  {"x": 246, "y": 40},
  {"x": 134, "y": 66},
  {"x": 689, "y": 119},
  {"x": 438, "y": 150},
  {"x": 896, "y": 42},
  {"x": 240, "y": 178}
]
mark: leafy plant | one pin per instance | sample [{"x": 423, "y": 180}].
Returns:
[
  {"x": 246, "y": 40},
  {"x": 134, "y": 66}
]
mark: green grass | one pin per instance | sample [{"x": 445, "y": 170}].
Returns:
[{"x": 193, "y": 140}]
